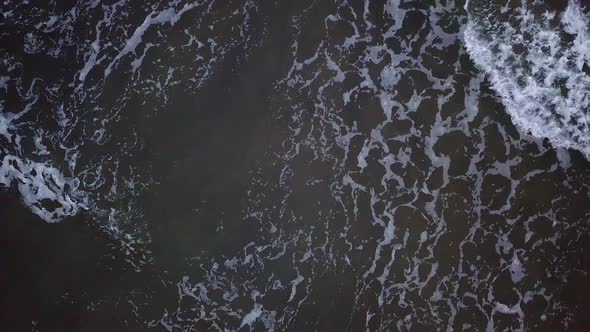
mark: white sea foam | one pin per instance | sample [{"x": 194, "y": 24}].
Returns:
[
  {"x": 39, "y": 182},
  {"x": 167, "y": 16},
  {"x": 56, "y": 175},
  {"x": 537, "y": 73},
  {"x": 252, "y": 316}
]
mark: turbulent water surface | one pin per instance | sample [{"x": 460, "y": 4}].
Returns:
[{"x": 294, "y": 165}]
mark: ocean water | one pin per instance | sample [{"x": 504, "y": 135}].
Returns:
[{"x": 253, "y": 165}]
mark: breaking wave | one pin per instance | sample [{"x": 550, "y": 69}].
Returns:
[{"x": 537, "y": 60}]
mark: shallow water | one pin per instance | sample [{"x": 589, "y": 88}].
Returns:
[{"x": 256, "y": 165}]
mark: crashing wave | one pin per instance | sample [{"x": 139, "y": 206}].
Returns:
[{"x": 537, "y": 62}]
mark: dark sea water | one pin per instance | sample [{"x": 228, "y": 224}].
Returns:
[{"x": 302, "y": 165}]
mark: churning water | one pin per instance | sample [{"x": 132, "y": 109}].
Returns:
[
  {"x": 307, "y": 165},
  {"x": 538, "y": 63}
]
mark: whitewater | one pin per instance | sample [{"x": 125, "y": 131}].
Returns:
[
  {"x": 295, "y": 165},
  {"x": 538, "y": 64}
]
